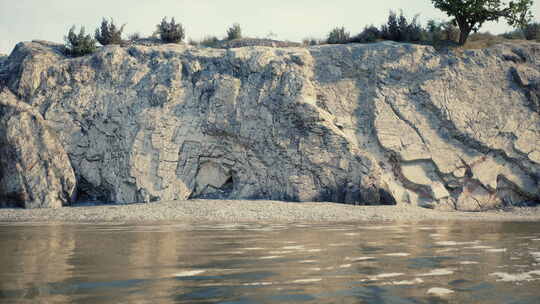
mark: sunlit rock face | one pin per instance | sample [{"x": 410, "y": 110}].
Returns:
[
  {"x": 382, "y": 123},
  {"x": 35, "y": 169}
]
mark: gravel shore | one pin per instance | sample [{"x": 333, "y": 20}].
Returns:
[{"x": 254, "y": 211}]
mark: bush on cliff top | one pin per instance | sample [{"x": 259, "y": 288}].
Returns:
[
  {"x": 170, "y": 32},
  {"x": 398, "y": 28},
  {"x": 134, "y": 36},
  {"x": 311, "y": 41},
  {"x": 234, "y": 32},
  {"x": 109, "y": 33},
  {"x": 369, "y": 34},
  {"x": 79, "y": 44},
  {"x": 209, "y": 41},
  {"x": 441, "y": 31},
  {"x": 338, "y": 36},
  {"x": 531, "y": 31}
]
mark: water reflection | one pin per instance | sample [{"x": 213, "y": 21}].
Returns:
[{"x": 454, "y": 262}]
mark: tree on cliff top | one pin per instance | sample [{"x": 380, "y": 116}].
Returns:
[
  {"x": 109, "y": 33},
  {"x": 338, "y": 36},
  {"x": 234, "y": 32},
  {"x": 469, "y": 15},
  {"x": 79, "y": 44},
  {"x": 170, "y": 32}
]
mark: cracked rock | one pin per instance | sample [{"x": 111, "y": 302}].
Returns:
[{"x": 382, "y": 123}]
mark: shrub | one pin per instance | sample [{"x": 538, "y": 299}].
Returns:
[
  {"x": 338, "y": 36},
  {"x": 531, "y": 31},
  {"x": 170, "y": 32},
  {"x": 414, "y": 31},
  {"x": 515, "y": 34},
  {"x": 390, "y": 30},
  {"x": 369, "y": 34},
  {"x": 450, "y": 31},
  {"x": 209, "y": 41},
  {"x": 398, "y": 28},
  {"x": 310, "y": 41},
  {"x": 134, "y": 36},
  {"x": 109, "y": 33},
  {"x": 234, "y": 32},
  {"x": 436, "y": 32},
  {"x": 79, "y": 44}
]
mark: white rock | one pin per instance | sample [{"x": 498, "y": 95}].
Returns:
[
  {"x": 370, "y": 124},
  {"x": 438, "y": 291}
]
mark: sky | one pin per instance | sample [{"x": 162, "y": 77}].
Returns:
[{"x": 25, "y": 20}]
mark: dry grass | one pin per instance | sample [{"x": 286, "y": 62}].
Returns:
[
  {"x": 483, "y": 40},
  {"x": 477, "y": 41}
]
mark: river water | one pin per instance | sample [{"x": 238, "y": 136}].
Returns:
[{"x": 445, "y": 262}]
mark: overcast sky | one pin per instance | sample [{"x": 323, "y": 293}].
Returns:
[{"x": 24, "y": 20}]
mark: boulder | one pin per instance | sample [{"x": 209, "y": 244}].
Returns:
[{"x": 35, "y": 171}]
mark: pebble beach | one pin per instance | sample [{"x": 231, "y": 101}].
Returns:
[{"x": 229, "y": 211}]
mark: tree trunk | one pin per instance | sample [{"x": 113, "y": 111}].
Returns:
[
  {"x": 464, "y": 32},
  {"x": 463, "y": 36}
]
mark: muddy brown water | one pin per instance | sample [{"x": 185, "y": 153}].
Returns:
[{"x": 445, "y": 262}]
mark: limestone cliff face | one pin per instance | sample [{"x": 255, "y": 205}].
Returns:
[
  {"x": 371, "y": 124},
  {"x": 36, "y": 171}
]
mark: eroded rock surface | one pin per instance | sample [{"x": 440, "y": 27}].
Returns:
[
  {"x": 35, "y": 171},
  {"x": 382, "y": 123}
]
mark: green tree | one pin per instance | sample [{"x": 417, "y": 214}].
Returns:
[
  {"x": 234, "y": 32},
  {"x": 531, "y": 31},
  {"x": 338, "y": 36},
  {"x": 398, "y": 28},
  {"x": 79, "y": 44},
  {"x": 209, "y": 41},
  {"x": 470, "y": 15},
  {"x": 369, "y": 34},
  {"x": 170, "y": 32},
  {"x": 109, "y": 33},
  {"x": 135, "y": 36}
]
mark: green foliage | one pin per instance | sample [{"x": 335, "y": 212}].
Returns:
[
  {"x": 234, "y": 32},
  {"x": 170, "y": 32},
  {"x": 310, "y": 41},
  {"x": 390, "y": 30},
  {"x": 338, "y": 36},
  {"x": 518, "y": 13},
  {"x": 79, "y": 44},
  {"x": 441, "y": 31},
  {"x": 531, "y": 31},
  {"x": 209, "y": 41},
  {"x": 514, "y": 35},
  {"x": 109, "y": 33},
  {"x": 398, "y": 28},
  {"x": 135, "y": 36},
  {"x": 470, "y": 15},
  {"x": 368, "y": 35}
]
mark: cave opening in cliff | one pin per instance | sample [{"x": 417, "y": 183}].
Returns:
[
  {"x": 89, "y": 193},
  {"x": 386, "y": 198},
  {"x": 214, "y": 183}
]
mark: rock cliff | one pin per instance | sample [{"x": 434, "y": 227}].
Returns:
[{"x": 383, "y": 123}]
